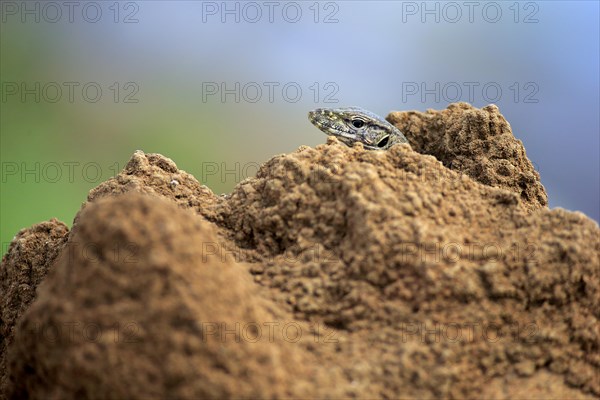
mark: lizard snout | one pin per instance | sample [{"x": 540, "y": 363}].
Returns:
[{"x": 312, "y": 115}]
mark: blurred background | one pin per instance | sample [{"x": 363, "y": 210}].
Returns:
[{"x": 221, "y": 87}]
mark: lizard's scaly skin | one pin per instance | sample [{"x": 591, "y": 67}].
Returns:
[{"x": 353, "y": 124}]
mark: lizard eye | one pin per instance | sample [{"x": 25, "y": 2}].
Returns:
[
  {"x": 358, "y": 123},
  {"x": 383, "y": 142}
]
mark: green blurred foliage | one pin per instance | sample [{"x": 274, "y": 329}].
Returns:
[{"x": 52, "y": 154}]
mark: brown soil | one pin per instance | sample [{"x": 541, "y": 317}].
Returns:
[{"x": 335, "y": 272}]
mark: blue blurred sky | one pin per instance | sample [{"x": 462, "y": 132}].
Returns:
[{"x": 542, "y": 56}]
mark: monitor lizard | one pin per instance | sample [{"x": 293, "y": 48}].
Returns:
[{"x": 353, "y": 124}]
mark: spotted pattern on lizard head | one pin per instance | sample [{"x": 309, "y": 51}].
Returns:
[{"x": 353, "y": 124}]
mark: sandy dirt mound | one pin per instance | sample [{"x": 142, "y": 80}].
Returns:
[
  {"x": 476, "y": 142},
  {"x": 28, "y": 260},
  {"x": 335, "y": 272},
  {"x": 137, "y": 307}
]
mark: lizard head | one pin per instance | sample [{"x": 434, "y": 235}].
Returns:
[{"x": 352, "y": 124}]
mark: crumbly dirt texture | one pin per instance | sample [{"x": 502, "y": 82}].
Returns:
[
  {"x": 476, "y": 142},
  {"x": 30, "y": 255},
  {"x": 336, "y": 272}
]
